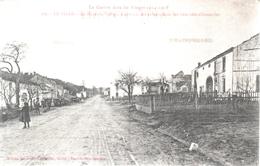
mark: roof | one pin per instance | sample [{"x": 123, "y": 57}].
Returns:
[
  {"x": 227, "y": 51},
  {"x": 156, "y": 83},
  {"x": 181, "y": 74},
  {"x": 8, "y": 76},
  {"x": 216, "y": 57},
  {"x": 24, "y": 79},
  {"x": 39, "y": 80},
  {"x": 257, "y": 35}
]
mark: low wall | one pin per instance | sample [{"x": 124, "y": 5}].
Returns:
[{"x": 143, "y": 108}]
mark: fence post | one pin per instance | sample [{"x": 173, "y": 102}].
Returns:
[
  {"x": 234, "y": 102},
  {"x": 152, "y": 103},
  {"x": 196, "y": 101}
]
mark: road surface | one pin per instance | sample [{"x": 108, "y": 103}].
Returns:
[{"x": 90, "y": 133}]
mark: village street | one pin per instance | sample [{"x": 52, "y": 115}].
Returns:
[{"x": 90, "y": 133}]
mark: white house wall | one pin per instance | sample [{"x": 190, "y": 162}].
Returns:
[
  {"x": 121, "y": 93},
  {"x": 3, "y": 84},
  {"x": 137, "y": 90},
  {"x": 227, "y": 74},
  {"x": 246, "y": 65},
  {"x": 203, "y": 73}
]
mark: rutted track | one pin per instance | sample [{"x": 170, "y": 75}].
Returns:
[
  {"x": 118, "y": 151},
  {"x": 91, "y": 133}
]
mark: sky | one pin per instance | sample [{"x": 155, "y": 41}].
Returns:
[{"x": 90, "y": 41}]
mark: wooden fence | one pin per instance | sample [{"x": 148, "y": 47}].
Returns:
[
  {"x": 192, "y": 99},
  {"x": 225, "y": 98}
]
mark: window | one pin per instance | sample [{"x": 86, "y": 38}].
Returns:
[
  {"x": 215, "y": 80},
  {"x": 209, "y": 65},
  {"x": 257, "y": 83},
  {"x": 224, "y": 84},
  {"x": 224, "y": 64}
]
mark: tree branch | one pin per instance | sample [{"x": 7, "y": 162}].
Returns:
[
  {"x": 6, "y": 62},
  {"x": 5, "y": 68}
]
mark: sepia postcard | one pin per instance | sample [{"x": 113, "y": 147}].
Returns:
[{"x": 129, "y": 82}]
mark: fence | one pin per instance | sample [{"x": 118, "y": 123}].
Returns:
[
  {"x": 190, "y": 100},
  {"x": 225, "y": 98}
]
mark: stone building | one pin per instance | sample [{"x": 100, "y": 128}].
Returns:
[
  {"x": 180, "y": 82},
  {"x": 235, "y": 70}
]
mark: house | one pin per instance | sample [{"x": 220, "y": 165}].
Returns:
[
  {"x": 180, "y": 82},
  {"x": 235, "y": 70},
  {"x": 82, "y": 92},
  {"x": 156, "y": 86},
  {"x": 28, "y": 89},
  {"x": 7, "y": 89},
  {"x": 48, "y": 86},
  {"x": 59, "y": 87},
  {"x": 106, "y": 92}
]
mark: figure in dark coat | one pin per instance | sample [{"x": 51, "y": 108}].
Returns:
[{"x": 25, "y": 116}]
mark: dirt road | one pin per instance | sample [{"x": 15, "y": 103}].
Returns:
[{"x": 91, "y": 133}]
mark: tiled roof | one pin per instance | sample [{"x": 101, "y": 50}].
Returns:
[
  {"x": 24, "y": 79},
  {"x": 216, "y": 57}
]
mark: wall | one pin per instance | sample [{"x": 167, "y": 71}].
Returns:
[
  {"x": 138, "y": 90},
  {"x": 203, "y": 73},
  {"x": 214, "y": 69},
  {"x": 246, "y": 64},
  {"x": 9, "y": 87},
  {"x": 2, "y": 101},
  {"x": 121, "y": 93},
  {"x": 227, "y": 74}
]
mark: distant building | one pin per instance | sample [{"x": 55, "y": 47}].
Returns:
[
  {"x": 236, "y": 69},
  {"x": 156, "y": 86},
  {"x": 180, "y": 82},
  {"x": 49, "y": 87},
  {"x": 106, "y": 92}
]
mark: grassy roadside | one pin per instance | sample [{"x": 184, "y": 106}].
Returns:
[{"x": 231, "y": 135}]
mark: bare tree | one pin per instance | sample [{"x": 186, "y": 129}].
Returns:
[
  {"x": 7, "y": 66},
  {"x": 147, "y": 83},
  {"x": 7, "y": 92},
  {"x": 245, "y": 86},
  {"x": 11, "y": 58},
  {"x": 33, "y": 92},
  {"x": 127, "y": 82},
  {"x": 117, "y": 88},
  {"x": 163, "y": 81}
]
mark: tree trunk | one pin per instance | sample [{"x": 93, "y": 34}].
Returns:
[
  {"x": 17, "y": 92},
  {"x": 129, "y": 93},
  {"x": 129, "y": 98},
  {"x": 6, "y": 101},
  {"x": 31, "y": 106}
]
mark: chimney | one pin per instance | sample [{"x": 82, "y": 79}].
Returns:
[{"x": 199, "y": 64}]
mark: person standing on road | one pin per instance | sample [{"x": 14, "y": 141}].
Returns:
[{"x": 25, "y": 116}]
